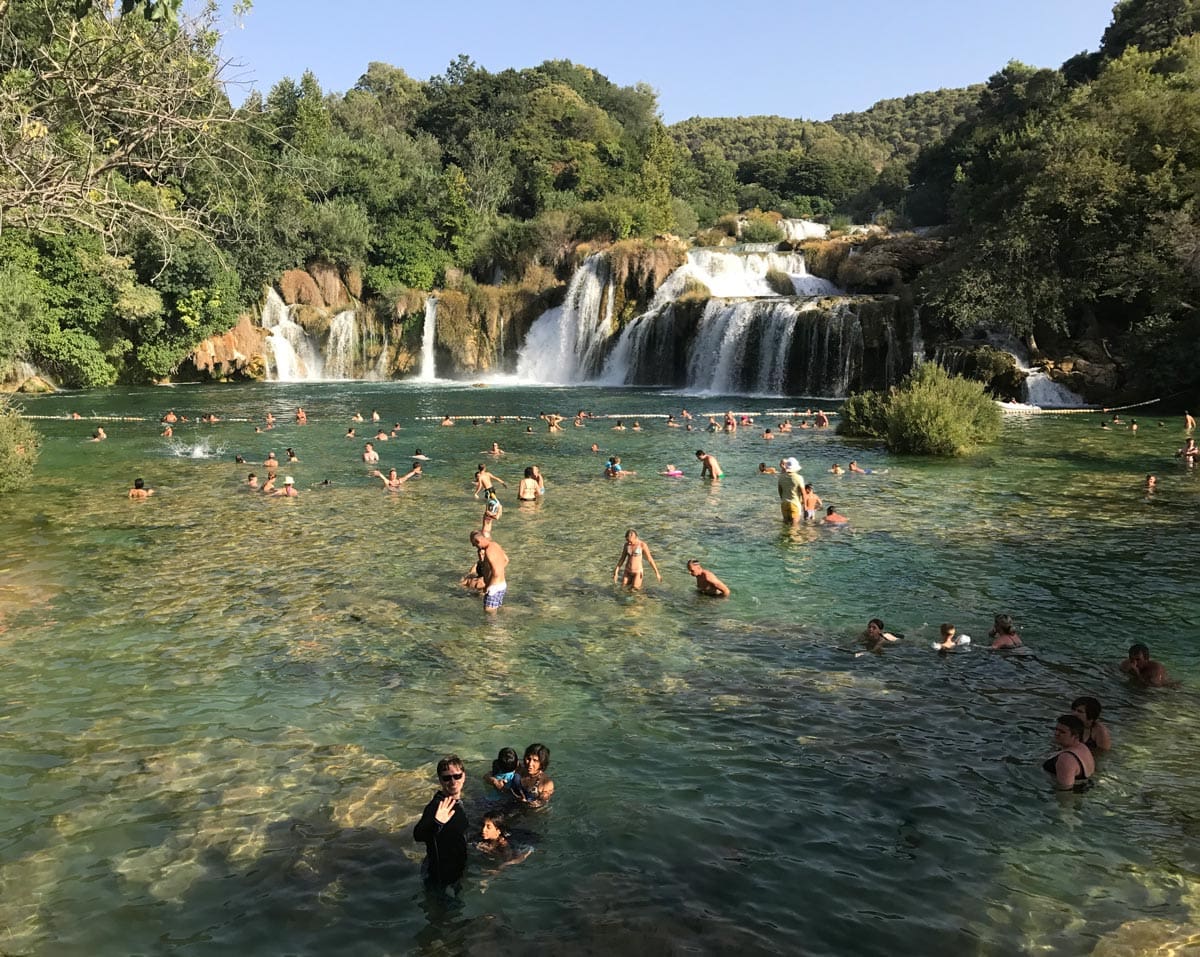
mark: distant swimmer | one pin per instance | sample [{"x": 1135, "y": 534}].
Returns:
[
  {"x": 301, "y": 416},
  {"x": 1189, "y": 423},
  {"x": 706, "y": 582},
  {"x": 1073, "y": 766},
  {"x": 370, "y": 456},
  {"x": 709, "y": 466},
  {"x": 856, "y": 469},
  {"x": 374, "y": 415},
  {"x": 619, "y": 427},
  {"x": 528, "y": 489},
  {"x": 492, "y": 564},
  {"x": 671, "y": 471},
  {"x": 381, "y": 436},
  {"x": 951, "y": 639},
  {"x": 1151, "y": 483},
  {"x": 1095, "y": 734},
  {"x": 291, "y": 456},
  {"x": 837, "y": 469},
  {"x": 357, "y": 417},
  {"x": 832, "y": 517},
  {"x": 447, "y": 420},
  {"x": 139, "y": 489},
  {"x": 270, "y": 461},
  {"x": 420, "y": 456},
  {"x": 288, "y": 490},
  {"x": 252, "y": 482},
  {"x": 392, "y": 481},
  {"x": 170, "y": 417},
  {"x": 822, "y": 420},
  {"x": 1004, "y": 633},
  {"x": 877, "y": 637},
  {"x": 1189, "y": 453},
  {"x": 768, "y": 435},
  {"x": 1144, "y": 670},
  {"x": 494, "y": 450},
  {"x": 484, "y": 480},
  {"x": 99, "y": 435},
  {"x": 765, "y": 469},
  {"x": 632, "y": 553},
  {"x": 350, "y": 433},
  {"x": 168, "y": 432}
]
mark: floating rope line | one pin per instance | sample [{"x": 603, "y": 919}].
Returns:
[{"x": 1135, "y": 405}]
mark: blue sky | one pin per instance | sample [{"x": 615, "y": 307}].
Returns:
[{"x": 804, "y": 58}]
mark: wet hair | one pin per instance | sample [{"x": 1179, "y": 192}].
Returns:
[
  {"x": 482, "y": 468},
  {"x": 495, "y": 817},
  {"x": 1138, "y": 649},
  {"x": 1091, "y": 707},
  {"x": 831, "y": 510},
  {"x": 529, "y": 471},
  {"x": 506, "y": 760},
  {"x": 139, "y": 483},
  {"x": 699, "y": 452},
  {"x": 691, "y": 562},
  {"x": 454, "y": 761},
  {"x": 541, "y": 752},
  {"x": 631, "y": 531},
  {"x": 948, "y": 629},
  {"x": 252, "y": 475},
  {"x": 1072, "y": 724},
  {"x": 876, "y": 621},
  {"x": 1004, "y": 624}
]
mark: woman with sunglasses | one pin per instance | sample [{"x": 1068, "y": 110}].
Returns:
[{"x": 443, "y": 827}]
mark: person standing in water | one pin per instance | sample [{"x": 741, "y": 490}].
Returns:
[
  {"x": 443, "y": 827},
  {"x": 632, "y": 553},
  {"x": 709, "y": 465},
  {"x": 706, "y": 582},
  {"x": 790, "y": 486},
  {"x": 492, "y": 564}
]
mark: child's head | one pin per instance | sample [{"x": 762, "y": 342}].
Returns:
[
  {"x": 948, "y": 631},
  {"x": 493, "y": 827},
  {"x": 506, "y": 760}
]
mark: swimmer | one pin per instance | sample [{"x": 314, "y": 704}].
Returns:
[
  {"x": 447, "y": 420},
  {"x": 765, "y": 469},
  {"x": 671, "y": 423},
  {"x": 392, "y": 481},
  {"x": 291, "y": 456},
  {"x": 139, "y": 489},
  {"x": 671, "y": 471},
  {"x": 350, "y": 433},
  {"x": 619, "y": 427},
  {"x": 495, "y": 841},
  {"x": 1004, "y": 634},
  {"x": 168, "y": 432},
  {"x": 420, "y": 456},
  {"x": 709, "y": 465},
  {"x": 269, "y": 485},
  {"x": 876, "y": 637},
  {"x": 637, "y": 426},
  {"x": 1189, "y": 453},
  {"x": 951, "y": 639},
  {"x": 1189, "y": 423},
  {"x": 1144, "y": 670},
  {"x": 541, "y": 480},
  {"x": 837, "y": 469},
  {"x": 239, "y": 460},
  {"x": 822, "y": 420},
  {"x": 357, "y": 417},
  {"x": 527, "y": 488},
  {"x": 1151, "y": 483},
  {"x": 169, "y": 418},
  {"x": 1095, "y": 734},
  {"x": 494, "y": 450},
  {"x": 833, "y": 518},
  {"x": 484, "y": 480},
  {"x": 631, "y": 556},
  {"x": 1073, "y": 765},
  {"x": 810, "y": 501},
  {"x": 856, "y": 470},
  {"x": 785, "y": 426},
  {"x": 99, "y": 435},
  {"x": 381, "y": 436},
  {"x": 370, "y": 456},
  {"x": 270, "y": 461},
  {"x": 301, "y": 416},
  {"x": 595, "y": 447},
  {"x": 492, "y": 564},
  {"x": 374, "y": 415},
  {"x": 252, "y": 482},
  {"x": 535, "y": 787},
  {"x": 288, "y": 490},
  {"x": 706, "y": 582}
]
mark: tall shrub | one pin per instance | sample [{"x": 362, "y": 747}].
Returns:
[{"x": 19, "y": 444}]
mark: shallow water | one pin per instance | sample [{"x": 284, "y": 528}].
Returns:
[{"x": 221, "y": 713}]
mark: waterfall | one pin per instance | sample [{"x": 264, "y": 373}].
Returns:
[
  {"x": 380, "y": 369},
  {"x": 566, "y": 344},
  {"x": 795, "y": 230},
  {"x": 1038, "y": 389},
  {"x": 292, "y": 355},
  {"x": 428, "y": 338},
  {"x": 341, "y": 352},
  {"x": 729, "y": 275},
  {"x": 918, "y": 339}
]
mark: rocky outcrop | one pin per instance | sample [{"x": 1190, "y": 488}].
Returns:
[
  {"x": 36, "y": 385},
  {"x": 329, "y": 283},
  {"x": 874, "y": 263},
  {"x": 236, "y": 353},
  {"x": 296, "y": 286}
]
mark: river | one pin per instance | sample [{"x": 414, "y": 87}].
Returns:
[{"x": 222, "y": 712}]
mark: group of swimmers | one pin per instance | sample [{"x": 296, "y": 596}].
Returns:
[{"x": 444, "y": 826}]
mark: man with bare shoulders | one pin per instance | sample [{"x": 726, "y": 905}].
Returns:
[
  {"x": 1144, "y": 670},
  {"x": 139, "y": 489},
  {"x": 370, "y": 456},
  {"x": 492, "y": 564},
  {"x": 706, "y": 582},
  {"x": 484, "y": 480}
]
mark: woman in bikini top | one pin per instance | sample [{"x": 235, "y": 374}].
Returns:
[{"x": 1073, "y": 766}]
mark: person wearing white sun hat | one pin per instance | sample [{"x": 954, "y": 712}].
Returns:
[{"x": 791, "y": 489}]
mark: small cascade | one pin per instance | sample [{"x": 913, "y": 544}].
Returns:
[
  {"x": 380, "y": 369},
  {"x": 1038, "y": 389},
  {"x": 566, "y": 344},
  {"x": 918, "y": 339},
  {"x": 795, "y": 230},
  {"x": 341, "y": 352},
  {"x": 292, "y": 355},
  {"x": 736, "y": 275},
  {"x": 428, "y": 338}
]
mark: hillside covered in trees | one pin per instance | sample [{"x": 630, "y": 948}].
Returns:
[{"x": 143, "y": 214}]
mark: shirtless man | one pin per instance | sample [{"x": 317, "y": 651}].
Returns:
[
  {"x": 709, "y": 465},
  {"x": 252, "y": 482},
  {"x": 370, "y": 456},
  {"x": 270, "y": 462},
  {"x": 99, "y": 435},
  {"x": 706, "y": 582},
  {"x": 447, "y": 420},
  {"x": 168, "y": 432},
  {"x": 833, "y": 518},
  {"x": 492, "y": 564},
  {"x": 632, "y": 553},
  {"x": 1143, "y": 669},
  {"x": 170, "y": 417},
  {"x": 139, "y": 489},
  {"x": 811, "y": 502},
  {"x": 288, "y": 490},
  {"x": 484, "y": 480}
]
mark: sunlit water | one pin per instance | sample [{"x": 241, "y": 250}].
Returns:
[{"x": 221, "y": 713}]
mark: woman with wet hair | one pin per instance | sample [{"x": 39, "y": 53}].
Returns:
[{"x": 536, "y": 786}]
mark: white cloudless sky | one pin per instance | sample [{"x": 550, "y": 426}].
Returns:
[{"x": 805, "y": 58}]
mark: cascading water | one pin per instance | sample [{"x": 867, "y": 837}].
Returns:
[
  {"x": 566, "y": 344},
  {"x": 293, "y": 356},
  {"x": 1038, "y": 389},
  {"x": 732, "y": 275},
  {"x": 428, "y": 339},
  {"x": 342, "y": 350}
]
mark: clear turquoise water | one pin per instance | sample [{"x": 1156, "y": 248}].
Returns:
[{"x": 221, "y": 714}]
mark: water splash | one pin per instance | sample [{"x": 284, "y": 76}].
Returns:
[{"x": 566, "y": 344}]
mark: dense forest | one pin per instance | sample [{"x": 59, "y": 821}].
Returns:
[{"x": 140, "y": 212}]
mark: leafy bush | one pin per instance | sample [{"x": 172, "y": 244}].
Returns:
[
  {"x": 19, "y": 444},
  {"x": 931, "y": 413},
  {"x": 761, "y": 228}
]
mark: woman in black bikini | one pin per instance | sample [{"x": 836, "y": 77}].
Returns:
[
  {"x": 1073, "y": 766},
  {"x": 536, "y": 786}
]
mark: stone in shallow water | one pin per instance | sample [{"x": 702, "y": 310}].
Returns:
[{"x": 1150, "y": 938}]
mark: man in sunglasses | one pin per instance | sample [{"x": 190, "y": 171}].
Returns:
[{"x": 443, "y": 826}]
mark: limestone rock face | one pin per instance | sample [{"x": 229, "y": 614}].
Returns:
[
  {"x": 297, "y": 286},
  {"x": 354, "y": 282},
  {"x": 330, "y": 284},
  {"x": 36, "y": 385},
  {"x": 236, "y": 352}
]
